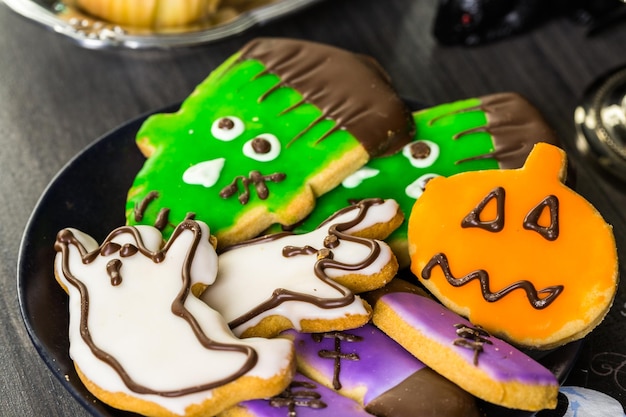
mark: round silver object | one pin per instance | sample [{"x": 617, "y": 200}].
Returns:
[{"x": 601, "y": 123}]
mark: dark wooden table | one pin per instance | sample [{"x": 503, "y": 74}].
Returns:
[{"x": 57, "y": 97}]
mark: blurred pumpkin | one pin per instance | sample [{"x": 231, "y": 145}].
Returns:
[{"x": 516, "y": 251}]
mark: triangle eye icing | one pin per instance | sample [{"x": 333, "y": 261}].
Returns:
[
  {"x": 494, "y": 225},
  {"x": 531, "y": 221}
]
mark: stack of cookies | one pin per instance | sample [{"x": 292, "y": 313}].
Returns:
[{"x": 257, "y": 274}]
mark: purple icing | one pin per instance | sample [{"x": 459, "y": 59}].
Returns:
[
  {"x": 335, "y": 404},
  {"x": 500, "y": 360},
  {"x": 373, "y": 369}
]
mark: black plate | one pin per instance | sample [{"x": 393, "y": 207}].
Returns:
[{"x": 89, "y": 193}]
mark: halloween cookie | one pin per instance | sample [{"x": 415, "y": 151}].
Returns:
[
  {"x": 303, "y": 398},
  {"x": 366, "y": 365},
  {"x": 516, "y": 251},
  {"x": 489, "y": 132},
  {"x": 278, "y": 124},
  {"x": 142, "y": 341},
  {"x": 307, "y": 282},
  {"x": 466, "y": 354}
]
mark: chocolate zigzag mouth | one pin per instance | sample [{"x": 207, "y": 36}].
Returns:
[
  {"x": 260, "y": 184},
  {"x": 532, "y": 293}
]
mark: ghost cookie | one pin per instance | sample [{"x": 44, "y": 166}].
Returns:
[
  {"x": 142, "y": 341},
  {"x": 307, "y": 282},
  {"x": 516, "y": 251},
  {"x": 466, "y": 354},
  {"x": 489, "y": 132},
  {"x": 278, "y": 124},
  {"x": 366, "y": 365}
]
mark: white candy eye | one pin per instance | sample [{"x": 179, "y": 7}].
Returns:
[
  {"x": 265, "y": 147},
  {"x": 227, "y": 128},
  {"x": 416, "y": 188},
  {"x": 421, "y": 153}
]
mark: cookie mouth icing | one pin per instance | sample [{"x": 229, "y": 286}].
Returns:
[
  {"x": 534, "y": 296},
  {"x": 255, "y": 178},
  {"x": 207, "y": 174}
]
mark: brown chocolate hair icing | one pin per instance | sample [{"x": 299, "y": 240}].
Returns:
[
  {"x": 483, "y": 277},
  {"x": 514, "y": 125},
  {"x": 66, "y": 237},
  {"x": 281, "y": 295},
  {"x": 349, "y": 88}
]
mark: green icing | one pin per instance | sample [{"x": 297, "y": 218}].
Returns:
[
  {"x": 451, "y": 127},
  {"x": 240, "y": 88}
]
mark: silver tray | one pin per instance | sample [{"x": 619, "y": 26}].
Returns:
[{"x": 65, "y": 18}]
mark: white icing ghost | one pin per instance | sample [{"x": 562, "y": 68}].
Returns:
[
  {"x": 292, "y": 275},
  {"x": 131, "y": 302}
]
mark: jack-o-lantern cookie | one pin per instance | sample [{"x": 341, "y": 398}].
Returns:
[
  {"x": 279, "y": 123},
  {"x": 516, "y": 251}
]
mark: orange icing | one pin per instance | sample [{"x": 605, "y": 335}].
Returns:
[{"x": 583, "y": 258}]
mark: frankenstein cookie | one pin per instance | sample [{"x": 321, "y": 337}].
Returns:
[
  {"x": 307, "y": 282},
  {"x": 516, "y": 251},
  {"x": 279, "y": 123},
  {"x": 490, "y": 132},
  {"x": 139, "y": 338},
  {"x": 467, "y": 355}
]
